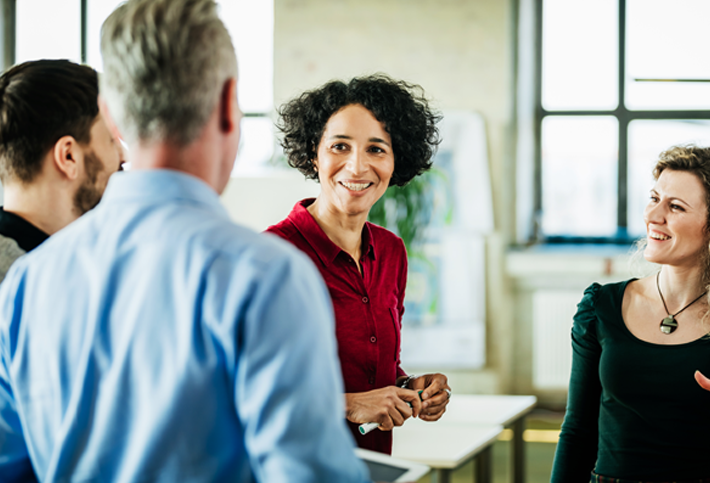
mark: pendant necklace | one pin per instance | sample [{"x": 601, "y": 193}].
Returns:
[{"x": 668, "y": 324}]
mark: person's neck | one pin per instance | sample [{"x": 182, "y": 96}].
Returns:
[
  {"x": 201, "y": 158},
  {"x": 46, "y": 205},
  {"x": 680, "y": 285},
  {"x": 343, "y": 230}
]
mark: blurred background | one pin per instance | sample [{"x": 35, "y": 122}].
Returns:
[{"x": 554, "y": 113}]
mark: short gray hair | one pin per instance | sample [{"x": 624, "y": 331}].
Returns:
[{"x": 165, "y": 64}]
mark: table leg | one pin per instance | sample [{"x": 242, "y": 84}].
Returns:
[
  {"x": 484, "y": 467},
  {"x": 518, "y": 451},
  {"x": 441, "y": 475}
]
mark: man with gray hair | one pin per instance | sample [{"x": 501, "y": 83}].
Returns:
[{"x": 153, "y": 339}]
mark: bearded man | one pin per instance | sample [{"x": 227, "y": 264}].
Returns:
[{"x": 56, "y": 153}]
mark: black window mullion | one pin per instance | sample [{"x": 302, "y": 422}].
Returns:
[
  {"x": 84, "y": 30},
  {"x": 537, "y": 135},
  {"x": 623, "y": 119},
  {"x": 634, "y": 115},
  {"x": 9, "y": 19},
  {"x": 621, "y": 113}
]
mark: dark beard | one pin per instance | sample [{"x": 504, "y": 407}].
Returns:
[{"x": 88, "y": 195}]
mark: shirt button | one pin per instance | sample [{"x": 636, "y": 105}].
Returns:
[
  {"x": 373, "y": 339},
  {"x": 364, "y": 300},
  {"x": 371, "y": 380}
]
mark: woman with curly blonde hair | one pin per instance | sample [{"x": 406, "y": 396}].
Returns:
[{"x": 636, "y": 410}]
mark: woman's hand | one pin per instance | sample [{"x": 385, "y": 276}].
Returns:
[
  {"x": 703, "y": 381},
  {"x": 435, "y": 397},
  {"x": 386, "y": 406}
]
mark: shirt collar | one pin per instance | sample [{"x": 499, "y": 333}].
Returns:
[
  {"x": 159, "y": 185},
  {"x": 326, "y": 250},
  {"x": 27, "y": 236}
]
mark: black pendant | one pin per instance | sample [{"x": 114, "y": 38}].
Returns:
[{"x": 668, "y": 325}]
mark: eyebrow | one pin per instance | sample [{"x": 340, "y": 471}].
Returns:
[
  {"x": 674, "y": 198},
  {"x": 372, "y": 140}
]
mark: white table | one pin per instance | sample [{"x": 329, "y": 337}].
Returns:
[
  {"x": 507, "y": 411},
  {"x": 445, "y": 447}
]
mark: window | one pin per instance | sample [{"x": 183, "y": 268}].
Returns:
[
  {"x": 49, "y": 29},
  {"x": 71, "y": 29},
  {"x": 619, "y": 81}
]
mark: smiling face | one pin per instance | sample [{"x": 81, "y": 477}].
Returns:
[
  {"x": 675, "y": 218},
  {"x": 354, "y": 160}
]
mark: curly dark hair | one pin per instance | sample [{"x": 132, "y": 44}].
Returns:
[{"x": 401, "y": 107}]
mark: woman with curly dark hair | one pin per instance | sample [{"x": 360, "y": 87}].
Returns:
[{"x": 357, "y": 139}]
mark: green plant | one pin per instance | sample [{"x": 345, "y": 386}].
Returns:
[{"x": 407, "y": 210}]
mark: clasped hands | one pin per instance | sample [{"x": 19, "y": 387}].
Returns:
[{"x": 388, "y": 405}]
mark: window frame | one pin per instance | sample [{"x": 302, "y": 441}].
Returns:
[
  {"x": 9, "y": 22},
  {"x": 8, "y": 29},
  {"x": 621, "y": 113}
]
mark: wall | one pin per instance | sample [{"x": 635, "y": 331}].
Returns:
[
  {"x": 570, "y": 269},
  {"x": 462, "y": 53},
  {"x": 261, "y": 201}
]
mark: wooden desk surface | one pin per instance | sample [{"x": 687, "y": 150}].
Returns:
[
  {"x": 442, "y": 445},
  {"x": 487, "y": 410}
]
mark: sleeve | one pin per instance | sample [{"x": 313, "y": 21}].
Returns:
[
  {"x": 288, "y": 387},
  {"x": 576, "y": 453},
  {"x": 401, "y": 286},
  {"x": 15, "y": 464}
]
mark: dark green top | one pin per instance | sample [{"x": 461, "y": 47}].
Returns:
[{"x": 634, "y": 407}]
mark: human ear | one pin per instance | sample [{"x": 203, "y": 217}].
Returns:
[
  {"x": 229, "y": 113},
  {"x": 66, "y": 156}
]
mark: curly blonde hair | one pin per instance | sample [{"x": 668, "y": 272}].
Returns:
[{"x": 696, "y": 160}]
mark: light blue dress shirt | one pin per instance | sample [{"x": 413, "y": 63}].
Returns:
[{"x": 155, "y": 340}]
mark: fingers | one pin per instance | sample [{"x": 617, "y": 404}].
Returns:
[
  {"x": 703, "y": 381},
  {"x": 435, "y": 383},
  {"x": 391, "y": 406},
  {"x": 399, "y": 412},
  {"x": 441, "y": 398},
  {"x": 432, "y": 416},
  {"x": 412, "y": 397},
  {"x": 435, "y": 397},
  {"x": 395, "y": 410},
  {"x": 435, "y": 407},
  {"x": 386, "y": 423}
]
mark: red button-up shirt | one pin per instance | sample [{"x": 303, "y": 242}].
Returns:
[{"x": 368, "y": 307}]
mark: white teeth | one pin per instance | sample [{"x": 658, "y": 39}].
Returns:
[
  {"x": 355, "y": 186},
  {"x": 658, "y": 236}
]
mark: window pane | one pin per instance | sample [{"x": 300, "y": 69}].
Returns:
[
  {"x": 48, "y": 29},
  {"x": 667, "y": 39},
  {"x": 580, "y": 54},
  {"x": 647, "y": 139},
  {"x": 97, "y": 11},
  {"x": 251, "y": 25},
  {"x": 256, "y": 146},
  {"x": 579, "y": 175}
]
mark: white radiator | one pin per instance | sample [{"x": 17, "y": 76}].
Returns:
[{"x": 552, "y": 321}]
